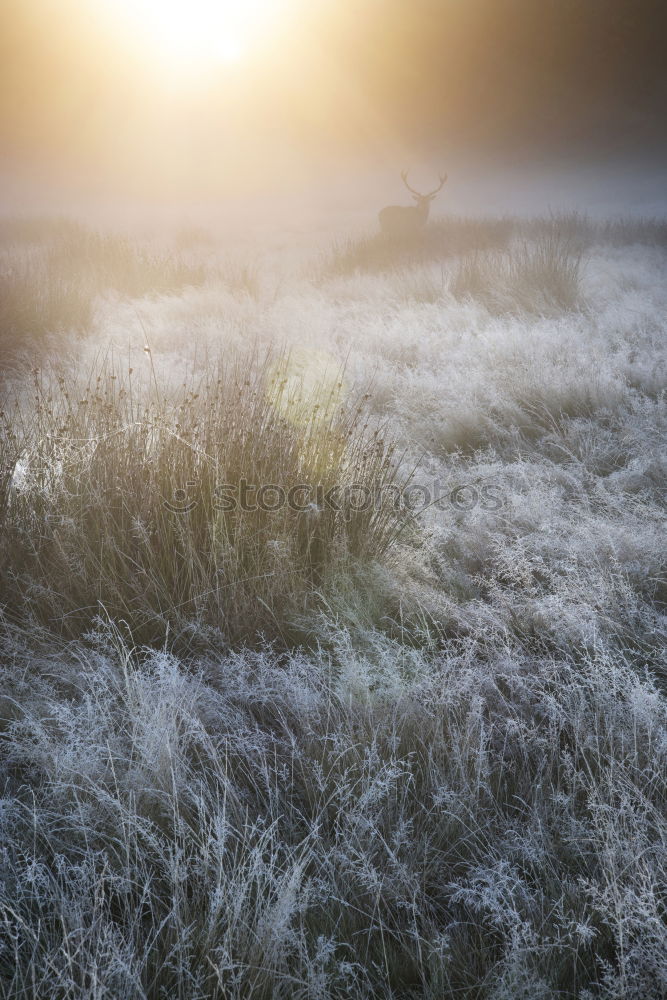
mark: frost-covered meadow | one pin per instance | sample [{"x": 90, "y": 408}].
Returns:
[{"x": 416, "y": 750}]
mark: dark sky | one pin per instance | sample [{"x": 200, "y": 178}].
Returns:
[{"x": 510, "y": 78}]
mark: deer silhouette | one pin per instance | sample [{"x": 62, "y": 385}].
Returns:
[{"x": 397, "y": 220}]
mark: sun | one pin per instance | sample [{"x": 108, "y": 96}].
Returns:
[{"x": 193, "y": 33}]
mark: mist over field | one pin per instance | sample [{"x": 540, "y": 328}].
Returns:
[{"x": 333, "y": 578}]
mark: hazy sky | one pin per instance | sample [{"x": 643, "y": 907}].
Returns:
[{"x": 93, "y": 95}]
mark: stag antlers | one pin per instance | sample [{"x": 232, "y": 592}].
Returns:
[{"x": 431, "y": 194}]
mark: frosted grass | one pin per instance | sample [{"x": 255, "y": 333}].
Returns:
[{"x": 452, "y": 782}]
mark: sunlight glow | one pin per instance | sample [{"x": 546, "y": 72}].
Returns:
[{"x": 195, "y": 33}]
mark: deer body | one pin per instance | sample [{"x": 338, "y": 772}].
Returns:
[{"x": 399, "y": 220}]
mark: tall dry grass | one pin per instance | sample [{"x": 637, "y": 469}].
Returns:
[
  {"x": 508, "y": 265},
  {"x": 450, "y": 236},
  {"x": 440, "y": 239},
  {"x": 539, "y": 277},
  {"x": 53, "y": 271},
  {"x": 123, "y": 497}
]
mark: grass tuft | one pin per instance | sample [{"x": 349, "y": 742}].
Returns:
[
  {"x": 539, "y": 277},
  {"x": 126, "y": 498}
]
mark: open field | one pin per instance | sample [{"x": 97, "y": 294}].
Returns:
[{"x": 396, "y": 727}]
